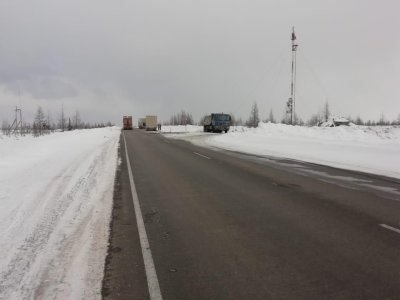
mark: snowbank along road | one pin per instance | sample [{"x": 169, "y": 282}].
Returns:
[
  {"x": 371, "y": 149},
  {"x": 55, "y": 206}
]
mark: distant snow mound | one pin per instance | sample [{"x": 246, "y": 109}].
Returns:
[
  {"x": 181, "y": 128},
  {"x": 340, "y": 133}
]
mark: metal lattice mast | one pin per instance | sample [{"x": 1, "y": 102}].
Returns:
[
  {"x": 17, "y": 123},
  {"x": 291, "y": 106}
]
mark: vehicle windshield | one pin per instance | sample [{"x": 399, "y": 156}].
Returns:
[{"x": 223, "y": 117}]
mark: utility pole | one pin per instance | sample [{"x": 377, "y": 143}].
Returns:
[
  {"x": 17, "y": 123},
  {"x": 62, "y": 117},
  {"x": 20, "y": 120},
  {"x": 291, "y": 104}
]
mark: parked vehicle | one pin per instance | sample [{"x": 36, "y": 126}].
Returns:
[
  {"x": 127, "y": 122},
  {"x": 217, "y": 122},
  {"x": 335, "y": 121},
  {"x": 151, "y": 123},
  {"x": 142, "y": 123}
]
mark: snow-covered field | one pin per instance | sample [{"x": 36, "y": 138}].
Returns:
[
  {"x": 55, "y": 206},
  {"x": 369, "y": 149}
]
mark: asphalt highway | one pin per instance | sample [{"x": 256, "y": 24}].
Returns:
[{"x": 231, "y": 226}]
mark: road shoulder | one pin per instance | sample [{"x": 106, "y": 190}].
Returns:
[{"x": 124, "y": 274}]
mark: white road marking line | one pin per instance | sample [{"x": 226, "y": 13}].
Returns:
[
  {"x": 390, "y": 228},
  {"x": 151, "y": 274},
  {"x": 201, "y": 155}
]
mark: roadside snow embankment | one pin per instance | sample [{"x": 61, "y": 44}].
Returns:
[
  {"x": 181, "y": 128},
  {"x": 55, "y": 206},
  {"x": 368, "y": 149}
]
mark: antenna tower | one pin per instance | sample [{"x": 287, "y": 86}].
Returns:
[{"x": 291, "y": 104}]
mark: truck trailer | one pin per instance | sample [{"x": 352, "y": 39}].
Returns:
[
  {"x": 127, "y": 122},
  {"x": 217, "y": 122},
  {"x": 151, "y": 123}
]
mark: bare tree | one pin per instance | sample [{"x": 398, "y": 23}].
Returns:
[
  {"x": 5, "y": 127},
  {"x": 315, "y": 120},
  {"x": 298, "y": 120},
  {"x": 287, "y": 119},
  {"x": 77, "y": 120},
  {"x": 326, "y": 111},
  {"x": 181, "y": 118},
  {"x": 382, "y": 120},
  {"x": 253, "y": 119},
  {"x": 201, "y": 121},
  {"x": 62, "y": 120},
  {"x": 359, "y": 121},
  {"x": 48, "y": 120},
  {"x": 40, "y": 122},
  {"x": 271, "y": 117},
  {"x": 27, "y": 128}
]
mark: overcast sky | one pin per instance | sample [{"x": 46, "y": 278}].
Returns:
[{"x": 110, "y": 58}]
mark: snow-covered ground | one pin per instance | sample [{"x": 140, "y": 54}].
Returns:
[
  {"x": 55, "y": 206},
  {"x": 181, "y": 128},
  {"x": 369, "y": 149}
]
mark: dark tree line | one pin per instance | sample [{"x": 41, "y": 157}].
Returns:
[
  {"x": 44, "y": 123},
  {"x": 323, "y": 115},
  {"x": 181, "y": 118}
]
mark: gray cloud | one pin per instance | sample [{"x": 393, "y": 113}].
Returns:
[
  {"x": 107, "y": 59},
  {"x": 47, "y": 88}
]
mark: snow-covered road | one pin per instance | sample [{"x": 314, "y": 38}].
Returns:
[{"x": 55, "y": 206}]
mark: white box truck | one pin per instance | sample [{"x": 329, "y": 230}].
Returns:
[{"x": 151, "y": 123}]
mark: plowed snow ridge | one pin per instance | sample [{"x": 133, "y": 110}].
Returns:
[{"x": 55, "y": 207}]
